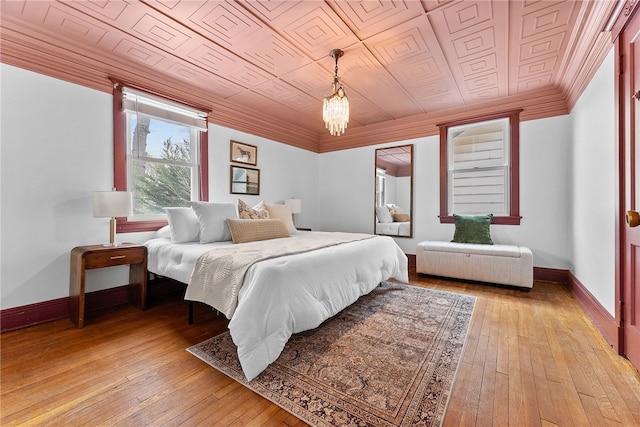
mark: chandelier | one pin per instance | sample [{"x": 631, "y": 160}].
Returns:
[{"x": 335, "y": 109}]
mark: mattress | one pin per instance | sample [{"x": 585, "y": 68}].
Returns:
[{"x": 394, "y": 228}]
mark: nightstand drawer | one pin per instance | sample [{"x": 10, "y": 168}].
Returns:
[{"x": 113, "y": 257}]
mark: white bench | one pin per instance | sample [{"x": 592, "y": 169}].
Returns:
[{"x": 502, "y": 264}]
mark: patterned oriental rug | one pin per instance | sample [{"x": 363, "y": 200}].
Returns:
[{"x": 389, "y": 359}]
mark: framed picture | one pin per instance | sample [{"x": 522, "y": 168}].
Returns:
[
  {"x": 245, "y": 180},
  {"x": 244, "y": 153}
]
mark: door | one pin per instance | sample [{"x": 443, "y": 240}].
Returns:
[{"x": 630, "y": 187}]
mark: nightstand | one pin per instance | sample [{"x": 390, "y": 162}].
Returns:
[{"x": 97, "y": 256}]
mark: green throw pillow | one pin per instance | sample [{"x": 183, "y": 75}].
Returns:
[{"x": 472, "y": 229}]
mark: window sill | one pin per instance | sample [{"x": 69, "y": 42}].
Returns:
[
  {"x": 500, "y": 220},
  {"x": 124, "y": 226}
]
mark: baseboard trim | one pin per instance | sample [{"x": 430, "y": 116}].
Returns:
[
  {"x": 601, "y": 318},
  {"x": 544, "y": 274},
  {"x": 33, "y": 314},
  {"x": 411, "y": 259},
  {"x": 47, "y": 311}
]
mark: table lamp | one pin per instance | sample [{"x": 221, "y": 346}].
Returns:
[
  {"x": 112, "y": 204},
  {"x": 295, "y": 205}
]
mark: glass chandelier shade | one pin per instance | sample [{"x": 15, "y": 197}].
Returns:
[{"x": 335, "y": 109}]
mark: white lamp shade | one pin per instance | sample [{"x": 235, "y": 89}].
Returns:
[
  {"x": 110, "y": 204},
  {"x": 295, "y": 205}
]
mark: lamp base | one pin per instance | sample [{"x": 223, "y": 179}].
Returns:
[
  {"x": 112, "y": 234},
  {"x": 108, "y": 245}
]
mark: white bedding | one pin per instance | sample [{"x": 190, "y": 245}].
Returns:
[
  {"x": 394, "y": 228},
  {"x": 290, "y": 294}
]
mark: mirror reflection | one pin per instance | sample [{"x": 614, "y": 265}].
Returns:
[{"x": 394, "y": 191}]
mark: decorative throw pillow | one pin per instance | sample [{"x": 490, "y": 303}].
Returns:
[
  {"x": 247, "y": 212},
  {"x": 400, "y": 217},
  {"x": 251, "y": 230},
  {"x": 183, "y": 224},
  {"x": 395, "y": 209},
  {"x": 472, "y": 229},
  {"x": 283, "y": 213},
  {"x": 212, "y": 220},
  {"x": 383, "y": 214}
]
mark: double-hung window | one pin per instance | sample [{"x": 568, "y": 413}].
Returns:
[
  {"x": 479, "y": 168},
  {"x": 160, "y": 155},
  {"x": 381, "y": 187}
]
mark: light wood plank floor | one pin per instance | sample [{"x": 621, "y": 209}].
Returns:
[{"x": 532, "y": 359}]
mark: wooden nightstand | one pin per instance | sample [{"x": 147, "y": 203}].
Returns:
[{"x": 97, "y": 256}]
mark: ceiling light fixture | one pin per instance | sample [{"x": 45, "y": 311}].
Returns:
[{"x": 335, "y": 109}]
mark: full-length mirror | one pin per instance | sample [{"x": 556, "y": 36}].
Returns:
[{"x": 394, "y": 191}]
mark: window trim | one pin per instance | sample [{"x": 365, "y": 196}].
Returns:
[
  {"x": 514, "y": 163},
  {"x": 123, "y": 225}
]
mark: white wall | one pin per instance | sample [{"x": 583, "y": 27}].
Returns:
[
  {"x": 544, "y": 189},
  {"x": 403, "y": 193},
  {"x": 346, "y": 190},
  {"x": 285, "y": 172},
  {"x": 57, "y": 148},
  {"x": 594, "y": 186}
]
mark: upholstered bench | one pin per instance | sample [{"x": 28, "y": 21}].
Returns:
[{"x": 502, "y": 264}]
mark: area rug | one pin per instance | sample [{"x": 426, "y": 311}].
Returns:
[{"x": 389, "y": 359}]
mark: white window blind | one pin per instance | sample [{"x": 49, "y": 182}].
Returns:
[
  {"x": 144, "y": 103},
  {"x": 380, "y": 187},
  {"x": 479, "y": 168}
]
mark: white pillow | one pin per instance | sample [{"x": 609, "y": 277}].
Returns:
[
  {"x": 212, "y": 219},
  {"x": 283, "y": 213},
  {"x": 165, "y": 233},
  {"x": 383, "y": 214},
  {"x": 183, "y": 224}
]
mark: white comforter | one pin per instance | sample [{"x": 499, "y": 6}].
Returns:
[{"x": 289, "y": 294}]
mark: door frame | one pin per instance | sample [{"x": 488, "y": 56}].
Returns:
[{"x": 627, "y": 12}]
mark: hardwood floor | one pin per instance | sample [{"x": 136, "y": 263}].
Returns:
[{"x": 531, "y": 359}]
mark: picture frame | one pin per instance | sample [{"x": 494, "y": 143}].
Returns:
[
  {"x": 243, "y": 153},
  {"x": 244, "y": 180}
]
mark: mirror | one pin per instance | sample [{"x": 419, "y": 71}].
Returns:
[{"x": 394, "y": 191}]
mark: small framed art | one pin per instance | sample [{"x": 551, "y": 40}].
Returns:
[
  {"x": 245, "y": 180},
  {"x": 244, "y": 153}
]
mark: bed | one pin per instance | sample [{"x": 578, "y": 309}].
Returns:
[
  {"x": 287, "y": 294},
  {"x": 394, "y": 228}
]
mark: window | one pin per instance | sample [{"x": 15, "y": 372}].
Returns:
[
  {"x": 160, "y": 151},
  {"x": 381, "y": 181},
  {"x": 479, "y": 163}
]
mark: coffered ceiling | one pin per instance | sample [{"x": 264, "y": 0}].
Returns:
[{"x": 263, "y": 66}]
